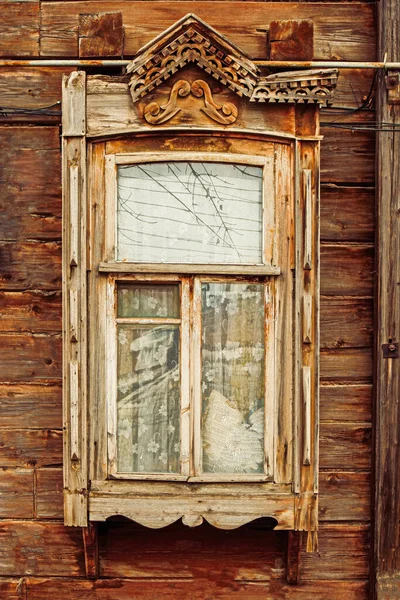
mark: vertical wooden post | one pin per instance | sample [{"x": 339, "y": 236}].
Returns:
[
  {"x": 91, "y": 546},
  {"x": 387, "y": 413},
  {"x": 74, "y": 299}
]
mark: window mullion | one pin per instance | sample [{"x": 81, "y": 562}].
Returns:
[
  {"x": 196, "y": 377},
  {"x": 185, "y": 377}
]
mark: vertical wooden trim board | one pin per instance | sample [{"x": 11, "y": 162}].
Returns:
[
  {"x": 74, "y": 300},
  {"x": 386, "y": 580}
]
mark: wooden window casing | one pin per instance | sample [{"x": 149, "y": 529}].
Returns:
[{"x": 105, "y": 126}]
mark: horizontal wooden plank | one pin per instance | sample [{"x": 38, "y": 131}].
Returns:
[
  {"x": 41, "y": 549},
  {"x": 16, "y": 494},
  {"x": 30, "y": 265},
  {"x": 26, "y": 357},
  {"x": 33, "y": 406},
  {"x": 199, "y": 589},
  {"x": 30, "y": 447},
  {"x": 346, "y": 365},
  {"x": 352, "y": 90},
  {"x": 341, "y": 31},
  {"x": 347, "y": 156},
  {"x": 345, "y": 446},
  {"x": 346, "y": 323},
  {"x": 347, "y": 213},
  {"x": 35, "y": 201},
  {"x": 34, "y": 89},
  {"x": 19, "y": 29},
  {"x": 49, "y": 494},
  {"x": 346, "y": 403},
  {"x": 34, "y": 312},
  {"x": 344, "y": 496},
  {"x": 347, "y": 270},
  {"x": 343, "y": 554},
  {"x": 132, "y": 551},
  {"x": 13, "y": 589}
]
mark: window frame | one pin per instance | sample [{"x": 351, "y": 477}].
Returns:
[
  {"x": 267, "y": 267},
  {"x": 292, "y": 498},
  {"x": 190, "y": 369}
]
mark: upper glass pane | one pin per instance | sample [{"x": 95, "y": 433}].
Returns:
[
  {"x": 148, "y": 300},
  {"x": 189, "y": 212}
]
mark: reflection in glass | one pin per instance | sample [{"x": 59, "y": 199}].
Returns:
[
  {"x": 148, "y": 300},
  {"x": 233, "y": 378},
  {"x": 189, "y": 212},
  {"x": 148, "y": 401}
]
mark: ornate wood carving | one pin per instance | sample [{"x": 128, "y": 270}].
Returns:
[
  {"x": 314, "y": 86},
  {"x": 156, "y": 114},
  {"x": 191, "y": 40}
]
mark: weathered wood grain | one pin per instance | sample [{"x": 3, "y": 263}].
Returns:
[
  {"x": 33, "y": 312},
  {"x": 346, "y": 323},
  {"x": 347, "y": 270},
  {"x": 30, "y": 265},
  {"x": 347, "y": 213},
  {"x": 346, "y": 403},
  {"x": 346, "y": 365},
  {"x": 20, "y": 29},
  {"x": 341, "y": 31},
  {"x": 386, "y": 556},
  {"x": 353, "y": 88},
  {"x": 16, "y": 494},
  {"x": 101, "y": 35},
  {"x": 347, "y": 156},
  {"x": 13, "y": 589},
  {"x": 30, "y": 447},
  {"x": 34, "y": 90},
  {"x": 343, "y": 554},
  {"x": 30, "y": 406},
  {"x": 27, "y": 357},
  {"x": 199, "y": 589},
  {"x": 291, "y": 40},
  {"x": 41, "y": 549},
  {"x": 35, "y": 201},
  {"x": 345, "y": 446},
  {"x": 127, "y": 550},
  {"x": 49, "y": 494},
  {"x": 344, "y": 496}
]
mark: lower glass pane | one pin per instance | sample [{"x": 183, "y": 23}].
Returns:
[
  {"x": 233, "y": 378},
  {"x": 148, "y": 400}
]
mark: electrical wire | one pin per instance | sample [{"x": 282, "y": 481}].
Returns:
[{"x": 43, "y": 110}]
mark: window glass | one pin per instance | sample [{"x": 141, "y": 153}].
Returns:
[
  {"x": 148, "y": 300},
  {"x": 233, "y": 377},
  {"x": 189, "y": 212},
  {"x": 148, "y": 379}
]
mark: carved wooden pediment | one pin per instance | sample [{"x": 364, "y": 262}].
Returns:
[{"x": 191, "y": 40}]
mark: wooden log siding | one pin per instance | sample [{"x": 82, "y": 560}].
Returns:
[{"x": 40, "y": 559}]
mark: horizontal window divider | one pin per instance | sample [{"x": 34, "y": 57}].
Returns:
[
  {"x": 147, "y": 321},
  {"x": 148, "y": 476},
  {"x": 265, "y": 270},
  {"x": 229, "y": 478}
]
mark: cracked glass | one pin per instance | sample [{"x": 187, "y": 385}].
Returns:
[{"x": 189, "y": 212}]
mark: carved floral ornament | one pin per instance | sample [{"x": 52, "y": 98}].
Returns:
[{"x": 191, "y": 40}]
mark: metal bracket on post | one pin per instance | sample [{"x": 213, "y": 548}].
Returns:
[{"x": 393, "y": 86}]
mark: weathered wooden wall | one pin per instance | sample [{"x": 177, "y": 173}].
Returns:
[{"x": 40, "y": 559}]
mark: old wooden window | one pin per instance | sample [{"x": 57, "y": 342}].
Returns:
[
  {"x": 191, "y": 355},
  {"x": 191, "y": 288}
]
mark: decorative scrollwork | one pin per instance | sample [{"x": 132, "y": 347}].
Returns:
[
  {"x": 211, "y": 108},
  {"x": 191, "y": 40},
  {"x": 156, "y": 114}
]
